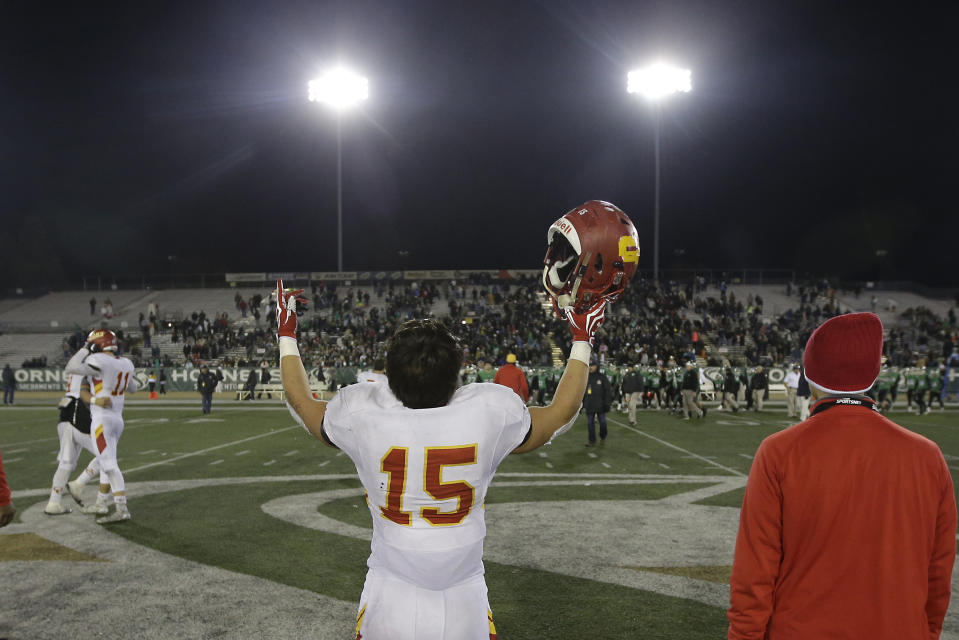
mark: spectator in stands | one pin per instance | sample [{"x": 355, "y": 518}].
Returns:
[
  {"x": 7, "y": 509},
  {"x": 758, "y": 385},
  {"x": 206, "y": 383},
  {"x": 9, "y": 385},
  {"x": 847, "y": 502},
  {"x": 93, "y": 306},
  {"x": 510, "y": 375},
  {"x": 597, "y": 402}
]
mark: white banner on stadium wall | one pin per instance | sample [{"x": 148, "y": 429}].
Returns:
[
  {"x": 178, "y": 378},
  {"x": 245, "y": 277},
  {"x": 333, "y": 275}
]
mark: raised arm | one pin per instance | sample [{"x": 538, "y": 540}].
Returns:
[
  {"x": 78, "y": 365},
  {"x": 559, "y": 415},
  {"x": 307, "y": 411}
]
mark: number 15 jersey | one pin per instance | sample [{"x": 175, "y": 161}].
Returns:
[{"x": 426, "y": 473}]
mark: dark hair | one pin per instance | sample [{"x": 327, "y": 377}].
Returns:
[
  {"x": 379, "y": 364},
  {"x": 423, "y": 364}
]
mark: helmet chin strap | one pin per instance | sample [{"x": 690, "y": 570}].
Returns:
[{"x": 579, "y": 277}]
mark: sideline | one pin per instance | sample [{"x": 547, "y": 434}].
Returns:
[
  {"x": 677, "y": 448},
  {"x": 202, "y": 451}
]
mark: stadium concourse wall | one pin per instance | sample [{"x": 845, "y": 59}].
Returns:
[{"x": 234, "y": 378}]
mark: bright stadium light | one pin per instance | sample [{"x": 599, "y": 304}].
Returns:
[
  {"x": 655, "y": 82},
  {"x": 658, "y": 81},
  {"x": 340, "y": 89}
]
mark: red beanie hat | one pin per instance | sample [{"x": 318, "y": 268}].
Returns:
[{"x": 844, "y": 354}]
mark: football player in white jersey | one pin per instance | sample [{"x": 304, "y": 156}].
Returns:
[
  {"x": 376, "y": 375},
  {"x": 111, "y": 377},
  {"x": 426, "y": 452},
  {"x": 73, "y": 429}
]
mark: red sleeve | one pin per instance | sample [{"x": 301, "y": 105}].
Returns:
[
  {"x": 758, "y": 551},
  {"x": 943, "y": 554},
  {"x": 4, "y": 489}
]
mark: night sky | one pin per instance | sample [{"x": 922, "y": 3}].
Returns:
[{"x": 158, "y": 137}]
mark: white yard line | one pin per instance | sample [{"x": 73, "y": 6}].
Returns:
[
  {"x": 672, "y": 446},
  {"x": 242, "y": 453},
  {"x": 266, "y": 464},
  {"x": 292, "y": 453},
  {"x": 746, "y": 455},
  {"x": 216, "y": 462},
  {"x": 202, "y": 451}
]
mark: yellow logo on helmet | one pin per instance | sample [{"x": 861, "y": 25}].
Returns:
[{"x": 628, "y": 249}]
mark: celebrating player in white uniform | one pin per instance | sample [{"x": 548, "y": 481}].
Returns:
[
  {"x": 73, "y": 429},
  {"x": 426, "y": 451},
  {"x": 111, "y": 377}
]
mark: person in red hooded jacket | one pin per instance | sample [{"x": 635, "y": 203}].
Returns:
[
  {"x": 6, "y": 505},
  {"x": 509, "y": 375},
  {"x": 848, "y": 524}
]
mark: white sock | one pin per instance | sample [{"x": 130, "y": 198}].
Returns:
[
  {"x": 55, "y": 494},
  {"x": 102, "y": 497},
  {"x": 121, "y": 502},
  {"x": 86, "y": 476}
]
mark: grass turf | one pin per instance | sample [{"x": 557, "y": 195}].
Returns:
[{"x": 225, "y": 527}]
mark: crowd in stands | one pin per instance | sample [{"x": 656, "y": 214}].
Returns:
[{"x": 349, "y": 326}]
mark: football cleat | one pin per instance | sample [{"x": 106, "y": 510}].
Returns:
[
  {"x": 55, "y": 509},
  {"x": 593, "y": 253},
  {"x": 117, "y": 516},
  {"x": 75, "y": 489},
  {"x": 97, "y": 508}
]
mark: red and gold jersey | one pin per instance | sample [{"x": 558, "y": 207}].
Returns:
[
  {"x": 110, "y": 377},
  {"x": 73, "y": 385},
  {"x": 426, "y": 473}
]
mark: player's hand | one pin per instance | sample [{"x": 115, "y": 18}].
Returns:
[
  {"x": 289, "y": 304},
  {"x": 106, "y": 403},
  {"x": 6, "y": 514},
  {"x": 583, "y": 325}
]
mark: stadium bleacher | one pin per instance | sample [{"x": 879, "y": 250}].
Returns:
[{"x": 37, "y": 327}]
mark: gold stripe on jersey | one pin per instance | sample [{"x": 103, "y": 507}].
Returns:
[
  {"x": 97, "y": 385},
  {"x": 359, "y": 622},
  {"x": 492, "y": 627}
]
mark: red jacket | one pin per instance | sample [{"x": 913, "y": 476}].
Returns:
[
  {"x": 4, "y": 489},
  {"x": 848, "y": 530},
  {"x": 509, "y": 375}
]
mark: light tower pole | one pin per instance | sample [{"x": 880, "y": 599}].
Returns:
[
  {"x": 339, "y": 89},
  {"x": 655, "y": 83}
]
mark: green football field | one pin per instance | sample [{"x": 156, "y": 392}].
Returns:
[{"x": 630, "y": 540}]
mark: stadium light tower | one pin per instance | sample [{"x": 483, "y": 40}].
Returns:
[
  {"x": 656, "y": 82},
  {"x": 339, "y": 89}
]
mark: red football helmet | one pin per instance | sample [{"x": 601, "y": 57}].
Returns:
[
  {"x": 593, "y": 253},
  {"x": 104, "y": 339}
]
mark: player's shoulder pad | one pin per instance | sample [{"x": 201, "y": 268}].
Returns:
[
  {"x": 491, "y": 395},
  {"x": 362, "y": 397}
]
